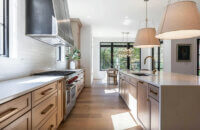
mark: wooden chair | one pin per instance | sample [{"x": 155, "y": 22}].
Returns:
[{"x": 112, "y": 73}]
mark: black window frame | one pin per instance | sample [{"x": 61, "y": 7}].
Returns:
[
  {"x": 198, "y": 56},
  {"x": 5, "y": 29},
  {"x": 128, "y": 46},
  {"x": 161, "y": 42},
  {"x": 59, "y": 53}
]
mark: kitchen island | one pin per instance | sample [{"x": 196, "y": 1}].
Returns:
[{"x": 165, "y": 101}]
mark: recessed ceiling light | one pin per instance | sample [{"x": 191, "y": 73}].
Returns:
[
  {"x": 88, "y": 16},
  {"x": 126, "y": 22},
  {"x": 126, "y": 17}
]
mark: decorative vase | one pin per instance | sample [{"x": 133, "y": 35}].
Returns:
[{"x": 72, "y": 65}]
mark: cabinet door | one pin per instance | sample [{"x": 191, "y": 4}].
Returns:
[
  {"x": 143, "y": 105},
  {"x": 132, "y": 98},
  {"x": 60, "y": 102},
  {"x": 50, "y": 124},
  {"x": 22, "y": 123},
  {"x": 154, "y": 114}
]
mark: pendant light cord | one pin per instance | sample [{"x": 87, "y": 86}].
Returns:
[{"x": 146, "y": 15}]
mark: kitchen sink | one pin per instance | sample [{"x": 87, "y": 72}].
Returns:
[{"x": 141, "y": 74}]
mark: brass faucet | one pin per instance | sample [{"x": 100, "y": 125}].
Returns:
[{"x": 153, "y": 60}]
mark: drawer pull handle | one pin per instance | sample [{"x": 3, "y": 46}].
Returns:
[
  {"x": 141, "y": 82},
  {"x": 4, "y": 115},
  {"x": 45, "y": 92},
  {"x": 47, "y": 109},
  {"x": 51, "y": 127},
  {"x": 151, "y": 91}
]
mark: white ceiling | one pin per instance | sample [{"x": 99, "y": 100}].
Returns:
[{"x": 109, "y": 18}]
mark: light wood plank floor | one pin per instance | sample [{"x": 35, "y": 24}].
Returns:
[{"x": 100, "y": 108}]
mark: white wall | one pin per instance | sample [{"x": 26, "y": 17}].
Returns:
[
  {"x": 86, "y": 54},
  {"x": 167, "y": 55},
  {"x": 184, "y": 67},
  {"x": 27, "y": 55},
  {"x": 170, "y": 61}
]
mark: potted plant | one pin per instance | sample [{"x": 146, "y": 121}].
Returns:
[{"x": 72, "y": 57}]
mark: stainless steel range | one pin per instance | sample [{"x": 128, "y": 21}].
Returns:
[{"x": 70, "y": 97}]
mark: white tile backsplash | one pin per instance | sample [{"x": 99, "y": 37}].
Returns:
[{"x": 27, "y": 55}]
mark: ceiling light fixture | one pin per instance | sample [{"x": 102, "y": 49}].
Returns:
[
  {"x": 146, "y": 36},
  {"x": 181, "y": 20}
]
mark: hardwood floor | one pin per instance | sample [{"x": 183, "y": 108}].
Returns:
[{"x": 100, "y": 108}]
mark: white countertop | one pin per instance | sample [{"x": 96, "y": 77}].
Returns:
[
  {"x": 11, "y": 89},
  {"x": 166, "y": 78}
]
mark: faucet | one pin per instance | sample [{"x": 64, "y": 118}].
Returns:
[{"x": 153, "y": 60}]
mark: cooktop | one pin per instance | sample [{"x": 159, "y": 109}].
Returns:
[{"x": 56, "y": 73}]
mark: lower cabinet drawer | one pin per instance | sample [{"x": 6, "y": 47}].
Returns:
[
  {"x": 50, "y": 124},
  {"x": 22, "y": 123},
  {"x": 43, "y": 93},
  {"x": 45, "y": 108},
  {"x": 12, "y": 110}
]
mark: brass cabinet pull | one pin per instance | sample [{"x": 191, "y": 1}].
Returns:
[
  {"x": 151, "y": 91},
  {"x": 47, "y": 109},
  {"x": 45, "y": 92},
  {"x": 141, "y": 82},
  {"x": 4, "y": 115},
  {"x": 51, "y": 127}
]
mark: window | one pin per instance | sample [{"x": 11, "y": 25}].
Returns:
[
  {"x": 59, "y": 52},
  {"x": 198, "y": 57},
  {"x": 110, "y": 58},
  {"x": 157, "y": 53},
  {"x": 4, "y": 39}
]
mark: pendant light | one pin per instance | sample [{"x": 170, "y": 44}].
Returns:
[
  {"x": 181, "y": 20},
  {"x": 146, "y": 36}
]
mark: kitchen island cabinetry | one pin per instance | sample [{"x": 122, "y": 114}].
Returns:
[
  {"x": 164, "y": 101},
  {"x": 143, "y": 105}
]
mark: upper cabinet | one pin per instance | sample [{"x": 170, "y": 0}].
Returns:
[{"x": 49, "y": 21}]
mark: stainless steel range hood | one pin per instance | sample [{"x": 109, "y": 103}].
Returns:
[{"x": 48, "y": 21}]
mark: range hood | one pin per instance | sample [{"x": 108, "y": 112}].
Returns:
[{"x": 48, "y": 21}]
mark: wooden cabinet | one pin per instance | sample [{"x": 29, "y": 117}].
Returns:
[
  {"x": 154, "y": 114},
  {"x": 22, "y": 123},
  {"x": 12, "y": 110},
  {"x": 41, "y": 111},
  {"x": 43, "y": 93},
  {"x": 50, "y": 124},
  {"x": 60, "y": 101},
  {"x": 80, "y": 83},
  {"x": 143, "y": 105}
]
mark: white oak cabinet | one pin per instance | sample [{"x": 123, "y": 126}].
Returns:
[{"x": 40, "y": 109}]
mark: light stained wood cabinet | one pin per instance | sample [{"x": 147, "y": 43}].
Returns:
[
  {"x": 154, "y": 114},
  {"x": 22, "y": 123},
  {"x": 80, "y": 83},
  {"x": 50, "y": 124},
  {"x": 43, "y": 93},
  {"x": 143, "y": 105},
  {"x": 60, "y": 101},
  {"x": 12, "y": 110},
  {"x": 41, "y": 109}
]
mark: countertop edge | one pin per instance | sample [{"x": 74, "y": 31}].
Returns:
[{"x": 9, "y": 98}]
